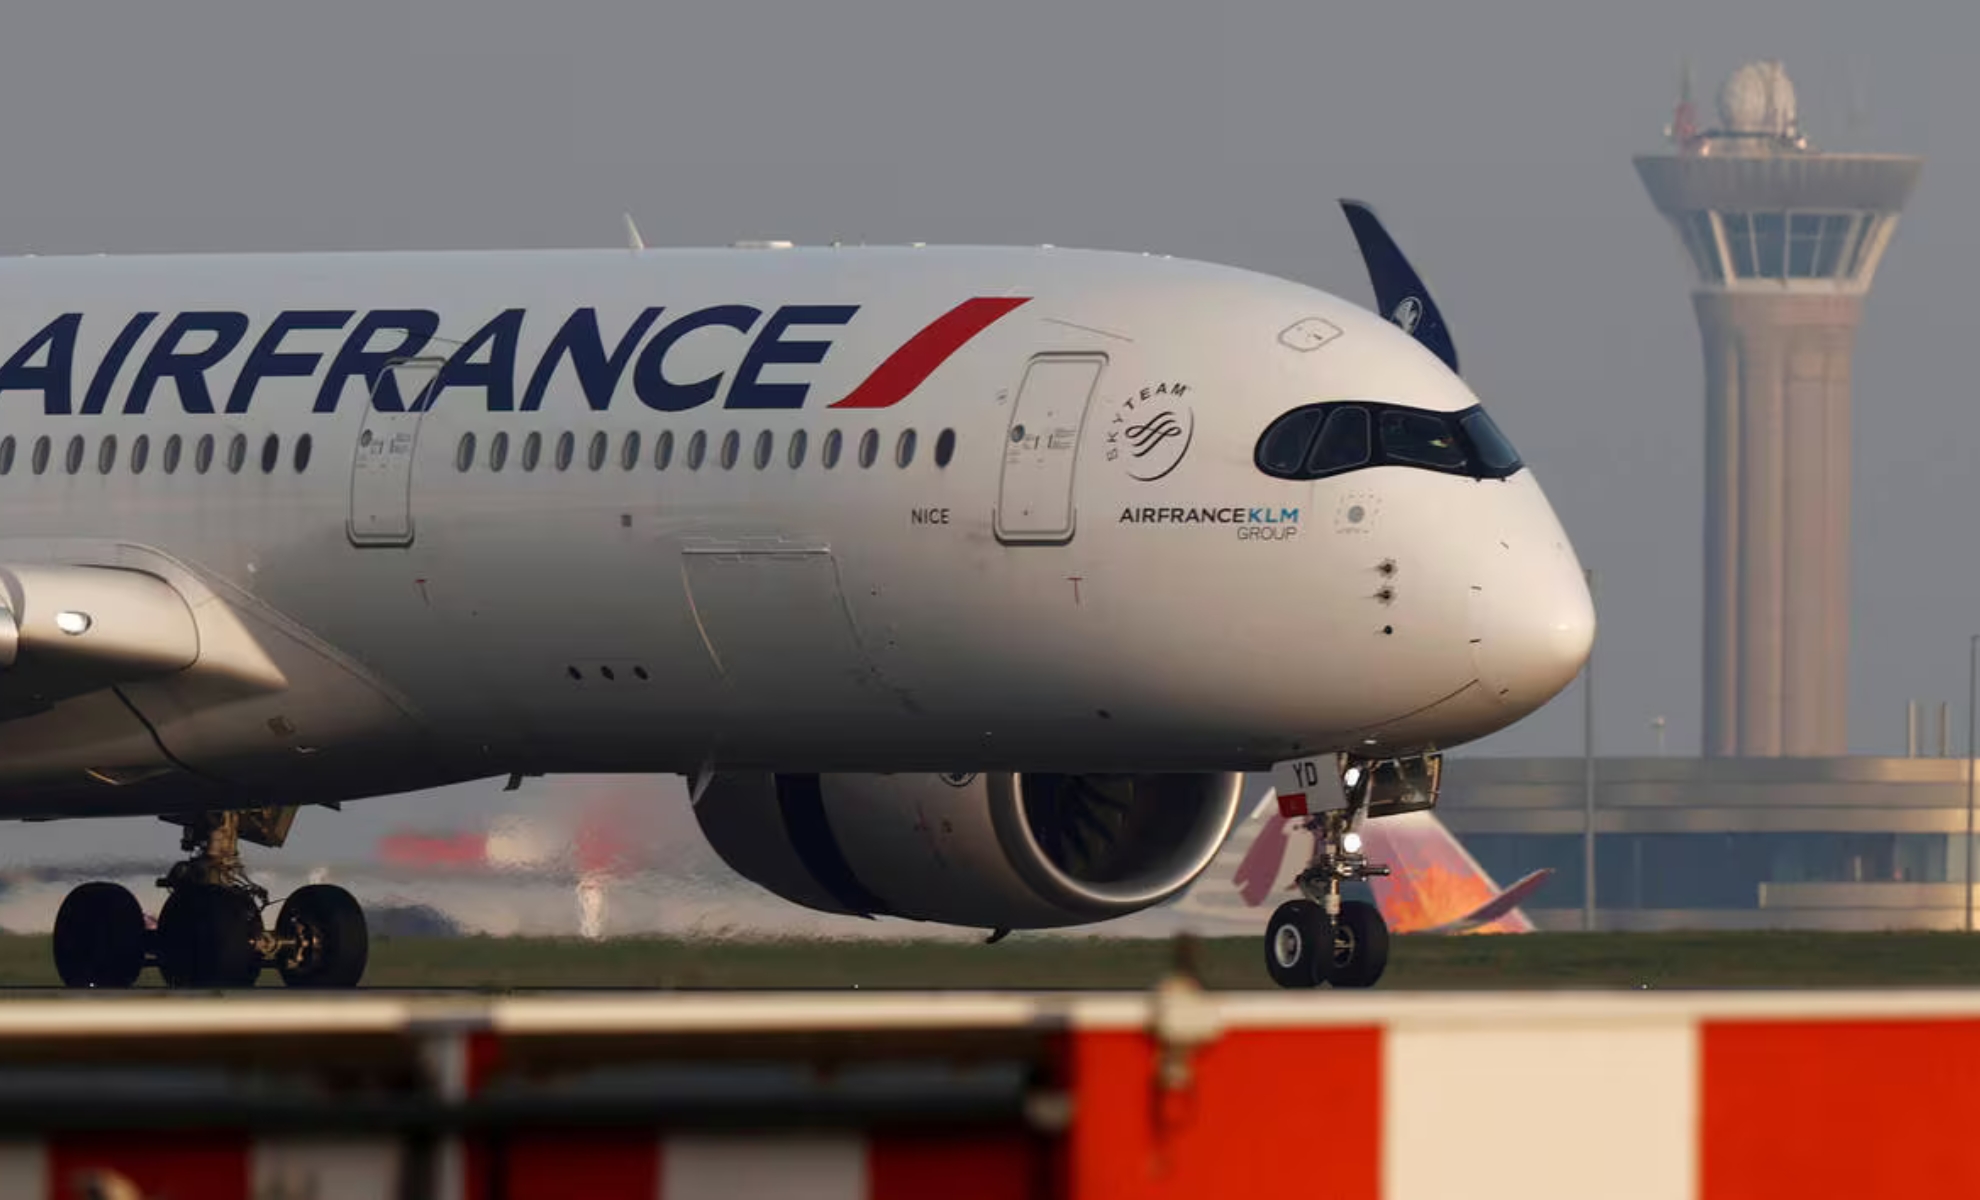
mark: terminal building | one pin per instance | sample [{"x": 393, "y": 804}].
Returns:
[{"x": 1775, "y": 826}]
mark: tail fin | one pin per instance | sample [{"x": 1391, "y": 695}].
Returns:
[{"x": 1436, "y": 887}]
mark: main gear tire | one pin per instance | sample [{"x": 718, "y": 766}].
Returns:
[
  {"x": 207, "y": 938},
  {"x": 1360, "y": 946},
  {"x": 329, "y": 943},
  {"x": 1296, "y": 941},
  {"x": 99, "y": 937}
]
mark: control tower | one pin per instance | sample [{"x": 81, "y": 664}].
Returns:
[{"x": 1784, "y": 241}]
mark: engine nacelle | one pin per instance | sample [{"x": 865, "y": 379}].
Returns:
[{"x": 996, "y": 851}]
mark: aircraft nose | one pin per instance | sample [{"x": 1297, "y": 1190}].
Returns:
[{"x": 1533, "y": 621}]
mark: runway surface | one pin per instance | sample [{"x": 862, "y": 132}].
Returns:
[{"x": 1632, "y": 961}]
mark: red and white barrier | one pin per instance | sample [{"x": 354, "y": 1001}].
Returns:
[{"x": 1630, "y": 1096}]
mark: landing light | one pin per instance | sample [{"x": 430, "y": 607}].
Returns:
[
  {"x": 73, "y": 623},
  {"x": 1351, "y": 842},
  {"x": 1351, "y": 776}
]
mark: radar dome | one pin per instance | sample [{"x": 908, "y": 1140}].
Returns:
[{"x": 1758, "y": 98}]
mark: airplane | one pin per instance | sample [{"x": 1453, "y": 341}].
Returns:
[{"x": 962, "y": 584}]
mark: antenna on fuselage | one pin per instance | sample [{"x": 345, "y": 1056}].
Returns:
[{"x": 632, "y": 233}]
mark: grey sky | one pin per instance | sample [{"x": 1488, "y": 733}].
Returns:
[{"x": 1495, "y": 137}]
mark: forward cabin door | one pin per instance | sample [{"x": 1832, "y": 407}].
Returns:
[
  {"x": 381, "y": 470},
  {"x": 1035, "y": 496}
]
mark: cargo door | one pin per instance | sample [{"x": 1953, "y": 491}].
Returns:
[
  {"x": 381, "y": 469},
  {"x": 1035, "y": 496}
]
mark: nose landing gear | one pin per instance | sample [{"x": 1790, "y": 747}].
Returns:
[
  {"x": 210, "y": 933},
  {"x": 1322, "y": 938}
]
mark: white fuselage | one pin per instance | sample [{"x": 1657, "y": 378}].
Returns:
[{"x": 1099, "y": 578}]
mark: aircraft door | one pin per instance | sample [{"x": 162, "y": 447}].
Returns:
[
  {"x": 1035, "y": 494},
  {"x": 381, "y": 469}
]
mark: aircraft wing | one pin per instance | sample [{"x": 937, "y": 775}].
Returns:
[{"x": 1498, "y": 906}]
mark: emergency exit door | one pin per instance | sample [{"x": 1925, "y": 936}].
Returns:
[
  {"x": 1035, "y": 496},
  {"x": 381, "y": 470}
]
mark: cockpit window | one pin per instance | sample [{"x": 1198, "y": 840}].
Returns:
[
  {"x": 1318, "y": 440},
  {"x": 1488, "y": 443},
  {"x": 1425, "y": 439},
  {"x": 1343, "y": 443},
  {"x": 1282, "y": 451}
]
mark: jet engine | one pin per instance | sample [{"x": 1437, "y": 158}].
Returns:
[{"x": 994, "y": 850}]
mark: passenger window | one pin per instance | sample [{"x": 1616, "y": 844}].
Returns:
[
  {"x": 173, "y": 446},
  {"x": 532, "y": 451},
  {"x": 464, "y": 453},
  {"x": 904, "y": 448},
  {"x": 42, "y": 450},
  {"x": 304, "y": 445},
  {"x": 1494, "y": 452},
  {"x": 663, "y": 450},
  {"x": 498, "y": 451},
  {"x": 697, "y": 450},
  {"x": 1343, "y": 443},
  {"x": 796, "y": 455},
  {"x": 731, "y": 449},
  {"x": 945, "y": 447},
  {"x": 203, "y": 454},
  {"x": 7, "y": 454},
  {"x": 1420, "y": 437},
  {"x": 566, "y": 449},
  {"x": 1282, "y": 451},
  {"x": 74, "y": 458},
  {"x": 600, "y": 446},
  {"x": 829, "y": 455},
  {"x": 765, "y": 443},
  {"x": 629, "y": 452},
  {"x": 869, "y": 447},
  {"x": 106, "y": 455},
  {"x": 140, "y": 453},
  {"x": 237, "y": 453},
  {"x": 271, "y": 453}
]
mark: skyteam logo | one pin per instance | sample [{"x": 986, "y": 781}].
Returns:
[
  {"x": 1408, "y": 314},
  {"x": 1151, "y": 431},
  {"x": 216, "y": 361}
]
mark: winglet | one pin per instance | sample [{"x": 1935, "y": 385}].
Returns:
[
  {"x": 1400, "y": 294},
  {"x": 1498, "y": 906},
  {"x": 632, "y": 233}
]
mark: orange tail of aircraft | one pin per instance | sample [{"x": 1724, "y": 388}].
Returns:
[{"x": 1434, "y": 887}]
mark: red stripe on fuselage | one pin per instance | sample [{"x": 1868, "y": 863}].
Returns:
[{"x": 910, "y": 366}]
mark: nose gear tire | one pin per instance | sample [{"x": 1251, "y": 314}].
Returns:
[
  {"x": 1296, "y": 941},
  {"x": 1360, "y": 946},
  {"x": 326, "y": 925},
  {"x": 99, "y": 937},
  {"x": 207, "y": 938}
]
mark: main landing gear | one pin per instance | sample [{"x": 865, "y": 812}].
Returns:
[
  {"x": 211, "y": 933},
  {"x": 1322, "y": 938}
]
